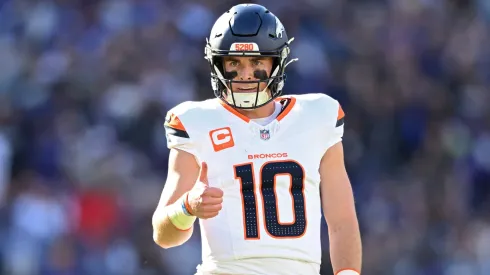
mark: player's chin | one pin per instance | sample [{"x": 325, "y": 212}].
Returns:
[
  {"x": 248, "y": 90},
  {"x": 244, "y": 92}
]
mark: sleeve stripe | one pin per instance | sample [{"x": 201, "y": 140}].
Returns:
[
  {"x": 340, "y": 117},
  {"x": 174, "y": 122},
  {"x": 340, "y": 122},
  {"x": 341, "y": 113},
  {"x": 176, "y": 132}
]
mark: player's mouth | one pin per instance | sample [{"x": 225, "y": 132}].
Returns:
[{"x": 247, "y": 89}]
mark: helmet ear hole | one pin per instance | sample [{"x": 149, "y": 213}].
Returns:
[
  {"x": 275, "y": 63},
  {"x": 218, "y": 62}
]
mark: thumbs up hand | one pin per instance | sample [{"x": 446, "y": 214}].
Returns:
[{"x": 203, "y": 201}]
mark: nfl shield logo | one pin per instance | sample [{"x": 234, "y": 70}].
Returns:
[{"x": 264, "y": 134}]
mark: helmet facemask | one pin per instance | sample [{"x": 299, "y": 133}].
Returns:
[{"x": 222, "y": 82}]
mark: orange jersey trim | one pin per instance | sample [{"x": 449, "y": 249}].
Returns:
[
  {"x": 340, "y": 117},
  {"x": 340, "y": 114},
  {"x": 174, "y": 122},
  {"x": 233, "y": 111},
  {"x": 289, "y": 101},
  {"x": 288, "y": 107}
]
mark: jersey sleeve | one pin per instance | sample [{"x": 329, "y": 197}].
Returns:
[
  {"x": 177, "y": 135},
  {"x": 335, "y": 127}
]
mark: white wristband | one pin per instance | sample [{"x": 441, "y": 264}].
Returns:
[
  {"x": 348, "y": 272},
  {"x": 178, "y": 216}
]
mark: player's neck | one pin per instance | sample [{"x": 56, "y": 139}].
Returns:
[{"x": 261, "y": 112}]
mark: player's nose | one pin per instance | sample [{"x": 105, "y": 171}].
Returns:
[{"x": 247, "y": 73}]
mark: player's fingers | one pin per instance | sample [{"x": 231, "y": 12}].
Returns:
[
  {"x": 211, "y": 208},
  {"x": 203, "y": 173},
  {"x": 214, "y": 192},
  {"x": 208, "y": 200}
]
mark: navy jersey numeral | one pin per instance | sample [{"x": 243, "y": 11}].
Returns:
[{"x": 268, "y": 173}]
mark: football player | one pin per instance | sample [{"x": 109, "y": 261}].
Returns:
[{"x": 256, "y": 167}]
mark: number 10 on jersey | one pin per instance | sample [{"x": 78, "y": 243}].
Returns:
[{"x": 267, "y": 188}]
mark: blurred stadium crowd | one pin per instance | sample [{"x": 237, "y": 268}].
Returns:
[{"x": 85, "y": 85}]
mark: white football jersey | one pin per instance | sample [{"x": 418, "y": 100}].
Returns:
[{"x": 270, "y": 221}]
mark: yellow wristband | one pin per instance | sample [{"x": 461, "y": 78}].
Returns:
[
  {"x": 348, "y": 272},
  {"x": 177, "y": 215}
]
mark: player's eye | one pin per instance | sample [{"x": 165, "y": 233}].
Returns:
[
  {"x": 233, "y": 63},
  {"x": 256, "y": 62}
]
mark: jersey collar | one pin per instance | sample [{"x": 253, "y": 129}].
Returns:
[{"x": 287, "y": 103}]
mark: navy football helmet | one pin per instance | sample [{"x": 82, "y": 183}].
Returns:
[{"x": 248, "y": 30}]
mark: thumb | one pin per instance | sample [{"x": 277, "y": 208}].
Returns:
[{"x": 203, "y": 173}]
